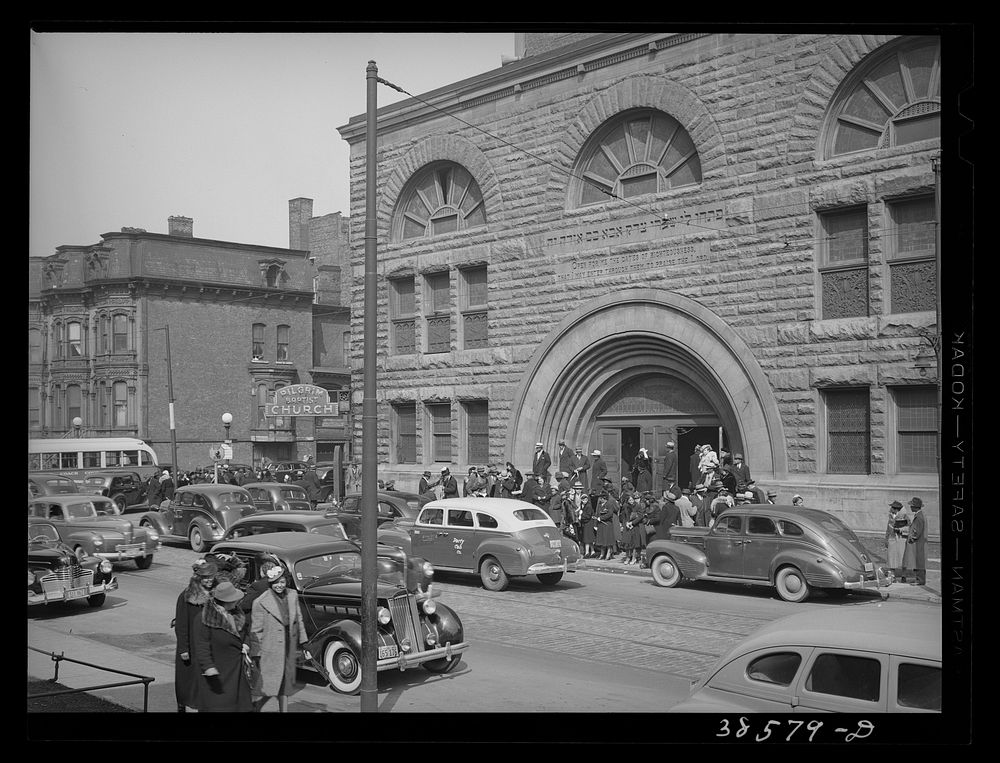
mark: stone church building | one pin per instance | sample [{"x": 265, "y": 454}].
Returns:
[{"x": 620, "y": 240}]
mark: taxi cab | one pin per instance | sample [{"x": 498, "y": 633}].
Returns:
[{"x": 496, "y": 538}]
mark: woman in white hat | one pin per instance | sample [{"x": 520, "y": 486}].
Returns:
[{"x": 277, "y": 633}]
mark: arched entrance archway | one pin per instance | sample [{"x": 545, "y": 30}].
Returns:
[{"x": 659, "y": 339}]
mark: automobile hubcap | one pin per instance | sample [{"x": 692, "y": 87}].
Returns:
[
  {"x": 493, "y": 571},
  {"x": 346, "y": 665},
  {"x": 666, "y": 569},
  {"x": 793, "y": 584}
]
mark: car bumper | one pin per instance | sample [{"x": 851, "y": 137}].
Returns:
[
  {"x": 69, "y": 594},
  {"x": 406, "y": 660},
  {"x": 879, "y": 581},
  {"x": 128, "y": 551},
  {"x": 564, "y": 566}
]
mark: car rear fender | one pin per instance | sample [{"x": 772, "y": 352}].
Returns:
[
  {"x": 156, "y": 520},
  {"x": 691, "y": 559},
  {"x": 808, "y": 562},
  {"x": 505, "y": 550}
]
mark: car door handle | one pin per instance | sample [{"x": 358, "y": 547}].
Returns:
[
  {"x": 442, "y": 534},
  {"x": 747, "y": 541}
]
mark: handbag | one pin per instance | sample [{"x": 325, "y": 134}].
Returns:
[
  {"x": 650, "y": 530},
  {"x": 252, "y": 673}
]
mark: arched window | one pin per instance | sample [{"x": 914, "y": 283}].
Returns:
[
  {"x": 639, "y": 152},
  {"x": 73, "y": 399},
  {"x": 273, "y": 276},
  {"x": 34, "y": 346},
  {"x": 120, "y": 401},
  {"x": 892, "y": 101},
  {"x": 119, "y": 333},
  {"x": 441, "y": 198}
]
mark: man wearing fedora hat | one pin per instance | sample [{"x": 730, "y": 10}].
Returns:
[
  {"x": 540, "y": 463},
  {"x": 449, "y": 485},
  {"x": 702, "y": 506},
  {"x": 425, "y": 484},
  {"x": 598, "y": 471},
  {"x": 579, "y": 466},
  {"x": 915, "y": 555}
]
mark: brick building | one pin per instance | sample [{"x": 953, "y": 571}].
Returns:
[
  {"x": 625, "y": 239},
  {"x": 244, "y": 320}
]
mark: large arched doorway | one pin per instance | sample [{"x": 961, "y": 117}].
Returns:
[{"x": 639, "y": 368}]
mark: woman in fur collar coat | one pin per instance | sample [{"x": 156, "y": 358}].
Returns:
[
  {"x": 220, "y": 653},
  {"x": 188, "y": 609},
  {"x": 277, "y": 633}
]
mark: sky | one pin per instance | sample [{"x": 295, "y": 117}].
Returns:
[{"x": 129, "y": 129}]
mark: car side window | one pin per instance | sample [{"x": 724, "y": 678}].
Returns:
[
  {"x": 384, "y": 509},
  {"x": 33, "y": 489},
  {"x": 918, "y": 686},
  {"x": 760, "y": 526},
  {"x": 485, "y": 520},
  {"x": 187, "y": 499},
  {"x": 728, "y": 526},
  {"x": 40, "y": 510},
  {"x": 55, "y": 512},
  {"x": 351, "y": 504},
  {"x": 432, "y": 517},
  {"x": 460, "y": 518},
  {"x": 789, "y": 528},
  {"x": 844, "y": 675},
  {"x": 779, "y": 668}
]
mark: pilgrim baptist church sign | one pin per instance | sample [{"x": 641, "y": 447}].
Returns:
[{"x": 301, "y": 400}]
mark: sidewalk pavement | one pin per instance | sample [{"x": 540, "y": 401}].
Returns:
[{"x": 930, "y": 592}]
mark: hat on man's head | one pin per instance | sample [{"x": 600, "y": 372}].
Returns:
[
  {"x": 738, "y": 456},
  {"x": 686, "y": 491},
  {"x": 562, "y": 442},
  {"x": 718, "y": 485},
  {"x": 595, "y": 452},
  {"x": 539, "y": 445},
  {"x": 895, "y": 505},
  {"x": 671, "y": 495},
  {"x": 670, "y": 444},
  {"x": 723, "y": 489},
  {"x": 472, "y": 469},
  {"x": 772, "y": 494},
  {"x": 427, "y": 474},
  {"x": 916, "y": 503},
  {"x": 701, "y": 489},
  {"x": 445, "y": 470},
  {"x": 226, "y": 592},
  {"x": 577, "y": 484},
  {"x": 578, "y": 449}
]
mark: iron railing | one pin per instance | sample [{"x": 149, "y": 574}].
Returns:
[{"x": 57, "y": 658}]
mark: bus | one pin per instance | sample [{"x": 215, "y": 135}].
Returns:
[{"x": 76, "y": 457}]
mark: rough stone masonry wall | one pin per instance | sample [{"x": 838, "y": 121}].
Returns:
[{"x": 754, "y": 105}]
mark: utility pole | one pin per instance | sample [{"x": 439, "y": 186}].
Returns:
[
  {"x": 170, "y": 406},
  {"x": 369, "y": 429},
  {"x": 938, "y": 329}
]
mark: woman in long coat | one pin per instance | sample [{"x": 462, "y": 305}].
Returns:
[
  {"x": 277, "y": 633},
  {"x": 219, "y": 653},
  {"x": 587, "y": 531},
  {"x": 895, "y": 538},
  {"x": 643, "y": 472},
  {"x": 607, "y": 508},
  {"x": 187, "y": 611}
]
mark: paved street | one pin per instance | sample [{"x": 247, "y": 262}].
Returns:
[{"x": 595, "y": 642}]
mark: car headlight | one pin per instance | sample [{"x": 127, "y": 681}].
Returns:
[
  {"x": 31, "y": 578},
  {"x": 106, "y": 566},
  {"x": 428, "y": 570},
  {"x": 98, "y": 542},
  {"x": 383, "y": 616},
  {"x": 152, "y": 535},
  {"x": 429, "y": 606}
]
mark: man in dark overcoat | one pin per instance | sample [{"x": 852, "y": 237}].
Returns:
[
  {"x": 741, "y": 472},
  {"x": 312, "y": 485},
  {"x": 530, "y": 489},
  {"x": 564, "y": 457},
  {"x": 540, "y": 463},
  {"x": 219, "y": 640},
  {"x": 668, "y": 515},
  {"x": 580, "y": 467},
  {"x": 702, "y": 506},
  {"x": 425, "y": 485},
  {"x": 695, "y": 472},
  {"x": 449, "y": 484},
  {"x": 598, "y": 471},
  {"x": 915, "y": 555},
  {"x": 669, "y": 467}
]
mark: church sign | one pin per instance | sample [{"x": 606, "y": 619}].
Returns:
[{"x": 301, "y": 400}]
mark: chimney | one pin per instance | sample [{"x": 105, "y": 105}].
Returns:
[
  {"x": 180, "y": 226},
  {"x": 300, "y": 212}
]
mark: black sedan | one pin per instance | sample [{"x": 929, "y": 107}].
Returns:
[
  {"x": 391, "y": 505},
  {"x": 57, "y": 574},
  {"x": 413, "y": 628},
  {"x": 287, "y": 521},
  {"x": 278, "y": 496}
]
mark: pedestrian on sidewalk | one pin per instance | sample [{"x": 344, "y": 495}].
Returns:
[
  {"x": 895, "y": 539},
  {"x": 277, "y": 634},
  {"x": 220, "y": 651},
  {"x": 915, "y": 555},
  {"x": 189, "y": 608},
  {"x": 588, "y": 530}
]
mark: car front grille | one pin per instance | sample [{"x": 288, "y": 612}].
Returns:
[
  {"x": 67, "y": 577},
  {"x": 406, "y": 619}
]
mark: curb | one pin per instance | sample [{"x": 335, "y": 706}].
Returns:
[{"x": 904, "y": 591}]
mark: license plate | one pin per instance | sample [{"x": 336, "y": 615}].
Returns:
[
  {"x": 75, "y": 593},
  {"x": 385, "y": 652},
  {"x": 869, "y": 566},
  {"x": 555, "y": 544}
]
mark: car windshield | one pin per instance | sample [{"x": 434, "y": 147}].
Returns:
[
  {"x": 344, "y": 566},
  {"x": 295, "y": 493},
  {"x": 81, "y": 510},
  {"x": 234, "y": 498},
  {"x": 94, "y": 481},
  {"x": 47, "y": 531},
  {"x": 530, "y": 515}
]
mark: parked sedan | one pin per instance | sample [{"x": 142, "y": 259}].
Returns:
[
  {"x": 90, "y": 526},
  {"x": 496, "y": 538},
  {"x": 392, "y": 505},
  {"x": 413, "y": 629},
  {"x": 199, "y": 514},
  {"x": 124, "y": 488},
  {"x": 792, "y": 548},
  {"x": 57, "y": 574},
  {"x": 293, "y": 469},
  {"x": 47, "y": 483},
  {"x": 278, "y": 496},
  {"x": 883, "y": 660},
  {"x": 286, "y": 521}
]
